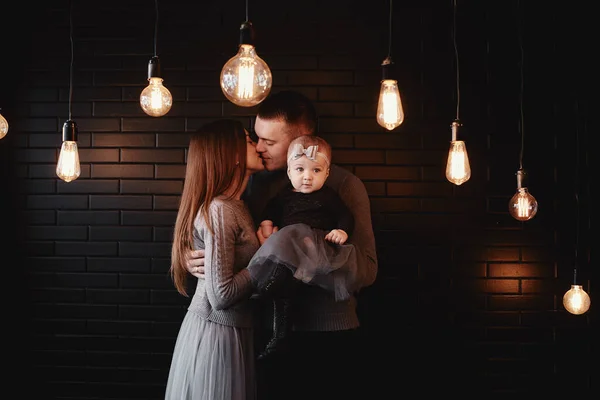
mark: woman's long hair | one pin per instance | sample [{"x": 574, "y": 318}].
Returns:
[{"x": 216, "y": 164}]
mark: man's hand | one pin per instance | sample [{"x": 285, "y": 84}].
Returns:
[
  {"x": 195, "y": 263},
  {"x": 337, "y": 236}
]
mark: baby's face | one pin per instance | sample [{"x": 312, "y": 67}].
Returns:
[{"x": 306, "y": 175}]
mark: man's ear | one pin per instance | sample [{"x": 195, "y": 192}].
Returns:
[
  {"x": 289, "y": 174},
  {"x": 327, "y": 173}
]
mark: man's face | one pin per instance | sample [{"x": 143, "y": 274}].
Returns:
[
  {"x": 273, "y": 142},
  {"x": 306, "y": 175}
]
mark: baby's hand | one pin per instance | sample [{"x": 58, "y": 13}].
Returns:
[
  {"x": 337, "y": 236},
  {"x": 265, "y": 230}
]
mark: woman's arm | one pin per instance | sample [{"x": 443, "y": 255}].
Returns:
[{"x": 224, "y": 287}]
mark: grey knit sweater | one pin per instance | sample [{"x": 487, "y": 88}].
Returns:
[
  {"x": 223, "y": 296},
  {"x": 316, "y": 309}
]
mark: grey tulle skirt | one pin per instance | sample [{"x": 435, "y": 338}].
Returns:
[
  {"x": 211, "y": 362},
  {"x": 310, "y": 257}
]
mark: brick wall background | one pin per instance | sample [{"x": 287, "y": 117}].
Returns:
[{"x": 467, "y": 300}]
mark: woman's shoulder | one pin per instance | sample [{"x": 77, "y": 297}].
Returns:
[
  {"x": 223, "y": 204},
  {"x": 225, "y": 212}
]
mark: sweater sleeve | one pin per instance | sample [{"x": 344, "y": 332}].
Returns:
[
  {"x": 354, "y": 194},
  {"x": 344, "y": 217},
  {"x": 224, "y": 287}
]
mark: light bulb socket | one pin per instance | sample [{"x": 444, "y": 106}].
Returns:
[
  {"x": 246, "y": 33},
  {"x": 454, "y": 126},
  {"x": 154, "y": 67},
  {"x": 386, "y": 69},
  {"x": 69, "y": 131},
  {"x": 521, "y": 180}
]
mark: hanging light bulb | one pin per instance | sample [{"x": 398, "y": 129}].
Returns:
[
  {"x": 246, "y": 79},
  {"x": 3, "y": 126},
  {"x": 576, "y": 300},
  {"x": 155, "y": 99},
  {"x": 389, "y": 107},
  {"x": 458, "y": 169},
  {"x": 68, "y": 168},
  {"x": 522, "y": 206}
]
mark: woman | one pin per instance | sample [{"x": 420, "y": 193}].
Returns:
[{"x": 213, "y": 357}]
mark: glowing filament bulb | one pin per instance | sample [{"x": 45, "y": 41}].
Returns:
[
  {"x": 458, "y": 168},
  {"x": 3, "y": 126},
  {"x": 246, "y": 79},
  {"x": 389, "y": 108},
  {"x": 523, "y": 205},
  {"x": 155, "y": 99},
  {"x": 68, "y": 168},
  {"x": 576, "y": 300}
]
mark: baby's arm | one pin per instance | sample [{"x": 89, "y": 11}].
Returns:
[{"x": 338, "y": 236}]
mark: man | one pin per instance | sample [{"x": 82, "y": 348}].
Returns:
[{"x": 324, "y": 360}]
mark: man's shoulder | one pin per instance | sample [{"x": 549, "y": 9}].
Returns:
[
  {"x": 339, "y": 176},
  {"x": 339, "y": 171}
]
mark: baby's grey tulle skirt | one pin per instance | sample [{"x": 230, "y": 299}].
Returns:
[
  {"x": 211, "y": 362},
  {"x": 310, "y": 257}
]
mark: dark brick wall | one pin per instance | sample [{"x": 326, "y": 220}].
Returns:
[{"x": 467, "y": 300}]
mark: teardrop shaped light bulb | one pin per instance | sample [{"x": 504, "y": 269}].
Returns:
[
  {"x": 458, "y": 169},
  {"x": 389, "y": 107}
]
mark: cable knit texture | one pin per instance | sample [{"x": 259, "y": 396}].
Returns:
[{"x": 222, "y": 296}]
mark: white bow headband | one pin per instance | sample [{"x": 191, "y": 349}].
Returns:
[{"x": 311, "y": 152}]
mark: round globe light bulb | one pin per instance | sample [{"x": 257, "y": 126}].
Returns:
[
  {"x": 155, "y": 99},
  {"x": 522, "y": 206},
  {"x": 576, "y": 300},
  {"x": 246, "y": 79},
  {"x": 3, "y": 126}
]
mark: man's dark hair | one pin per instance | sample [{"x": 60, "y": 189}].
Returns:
[{"x": 292, "y": 107}]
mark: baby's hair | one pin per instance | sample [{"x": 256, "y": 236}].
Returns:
[{"x": 312, "y": 140}]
